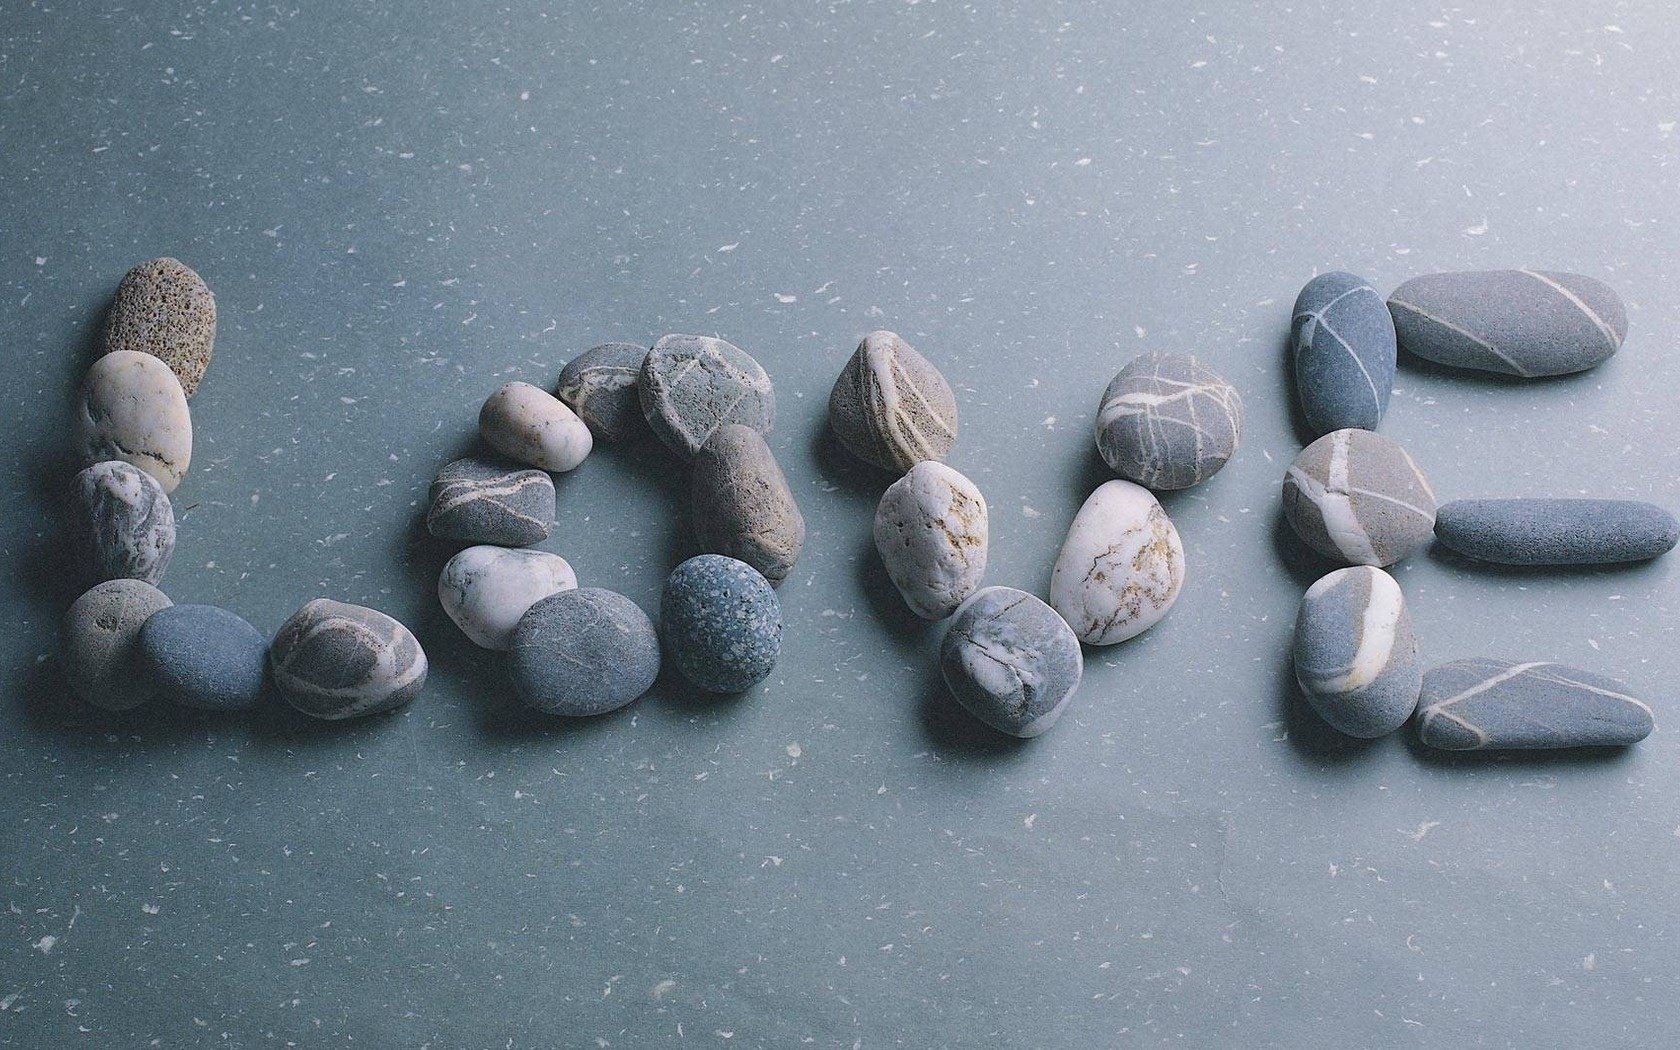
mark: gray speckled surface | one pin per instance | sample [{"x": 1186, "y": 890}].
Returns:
[{"x": 400, "y": 211}]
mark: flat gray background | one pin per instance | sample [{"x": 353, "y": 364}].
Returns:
[{"x": 400, "y": 206}]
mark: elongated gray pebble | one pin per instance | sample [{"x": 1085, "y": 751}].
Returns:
[
  {"x": 164, "y": 308},
  {"x": 721, "y": 623},
  {"x": 601, "y": 386},
  {"x": 529, "y": 425},
  {"x": 931, "y": 529},
  {"x": 1356, "y": 658},
  {"x": 1343, "y": 353},
  {"x": 334, "y": 660},
  {"x": 1359, "y": 498},
  {"x": 1168, "y": 422},
  {"x": 583, "y": 652},
  {"x": 101, "y": 659},
  {"x": 484, "y": 501},
  {"x": 1486, "y": 704},
  {"x": 486, "y": 590},
  {"x": 1556, "y": 531},
  {"x": 1121, "y": 567},
  {"x": 1516, "y": 322},
  {"x": 692, "y": 384},
  {"x": 891, "y": 407},
  {"x": 124, "y": 523},
  {"x": 132, "y": 408},
  {"x": 1011, "y": 661},
  {"x": 741, "y": 503},
  {"x": 203, "y": 657}
]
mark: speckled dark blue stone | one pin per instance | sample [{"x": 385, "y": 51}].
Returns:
[
  {"x": 1343, "y": 347},
  {"x": 1484, "y": 704},
  {"x": 721, "y": 622},
  {"x": 205, "y": 657},
  {"x": 1556, "y": 531}
]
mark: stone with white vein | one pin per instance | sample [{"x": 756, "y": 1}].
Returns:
[
  {"x": 931, "y": 530},
  {"x": 529, "y": 425},
  {"x": 333, "y": 660},
  {"x": 1516, "y": 322},
  {"x": 891, "y": 407},
  {"x": 1342, "y": 349},
  {"x": 485, "y": 501},
  {"x": 1358, "y": 498},
  {"x": 1356, "y": 658},
  {"x": 486, "y": 589},
  {"x": 1011, "y": 661},
  {"x": 1121, "y": 567},
  {"x": 124, "y": 522},
  {"x": 692, "y": 384},
  {"x": 1487, "y": 704},
  {"x": 1168, "y": 422}
]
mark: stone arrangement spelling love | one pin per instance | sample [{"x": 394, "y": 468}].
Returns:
[{"x": 1012, "y": 660}]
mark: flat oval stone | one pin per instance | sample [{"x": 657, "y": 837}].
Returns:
[
  {"x": 203, "y": 657},
  {"x": 132, "y": 408},
  {"x": 721, "y": 622},
  {"x": 742, "y": 505},
  {"x": 1556, "y": 531},
  {"x": 1121, "y": 567},
  {"x": 891, "y": 407},
  {"x": 487, "y": 590},
  {"x": 1485, "y": 704},
  {"x": 583, "y": 652},
  {"x": 484, "y": 501},
  {"x": 164, "y": 308},
  {"x": 334, "y": 661},
  {"x": 124, "y": 522},
  {"x": 1357, "y": 497},
  {"x": 1356, "y": 658},
  {"x": 529, "y": 425},
  {"x": 602, "y": 386},
  {"x": 98, "y": 638},
  {"x": 931, "y": 529},
  {"x": 692, "y": 384},
  {"x": 1343, "y": 351},
  {"x": 1168, "y": 422},
  {"x": 1011, "y": 661},
  {"x": 1517, "y": 322}
]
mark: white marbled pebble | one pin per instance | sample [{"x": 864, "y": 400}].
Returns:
[
  {"x": 132, "y": 408},
  {"x": 486, "y": 589},
  {"x": 124, "y": 522},
  {"x": 1121, "y": 567},
  {"x": 531, "y": 426},
  {"x": 930, "y": 528}
]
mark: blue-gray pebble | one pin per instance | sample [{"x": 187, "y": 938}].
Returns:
[
  {"x": 1011, "y": 660},
  {"x": 488, "y": 501},
  {"x": 1556, "y": 531},
  {"x": 721, "y": 622},
  {"x": 1516, "y": 322},
  {"x": 583, "y": 652},
  {"x": 334, "y": 660},
  {"x": 1485, "y": 704},
  {"x": 1356, "y": 658},
  {"x": 1343, "y": 349},
  {"x": 203, "y": 657}
]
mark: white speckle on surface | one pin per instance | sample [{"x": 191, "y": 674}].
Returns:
[{"x": 45, "y": 944}]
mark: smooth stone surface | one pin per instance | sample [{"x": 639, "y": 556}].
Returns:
[
  {"x": 529, "y": 425},
  {"x": 1516, "y": 322},
  {"x": 486, "y": 590},
  {"x": 164, "y": 308},
  {"x": 484, "y": 501},
  {"x": 1356, "y": 658},
  {"x": 1556, "y": 531},
  {"x": 132, "y": 408},
  {"x": 97, "y": 643},
  {"x": 741, "y": 504},
  {"x": 891, "y": 407},
  {"x": 721, "y": 622},
  {"x": 602, "y": 386},
  {"x": 931, "y": 528},
  {"x": 1168, "y": 422},
  {"x": 1121, "y": 566},
  {"x": 1359, "y": 498},
  {"x": 1343, "y": 353},
  {"x": 203, "y": 657},
  {"x": 334, "y": 661},
  {"x": 1011, "y": 661},
  {"x": 583, "y": 652},
  {"x": 124, "y": 523},
  {"x": 1485, "y": 704},
  {"x": 692, "y": 384}
]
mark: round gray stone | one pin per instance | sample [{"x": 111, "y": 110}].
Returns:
[
  {"x": 742, "y": 506},
  {"x": 164, "y": 308},
  {"x": 1357, "y": 497},
  {"x": 334, "y": 660},
  {"x": 132, "y": 408},
  {"x": 602, "y": 386},
  {"x": 1011, "y": 661},
  {"x": 98, "y": 638},
  {"x": 1343, "y": 353},
  {"x": 486, "y": 501},
  {"x": 1556, "y": 531},
  {"x": 1487, "y": 704},
  {"x": 692, "y": 384},
  {"x": 721, "y": 623},
  {"x": 1516, "y": 322},
  {"x": 891, "y": 407},
  {"x": 203, "y": 657},
  {"x": 1168, "y": 422},
  {"x": 1356, "y": 658},
  {"x": 583, "y": 652},
  {"x": 124, "y": 523}
]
